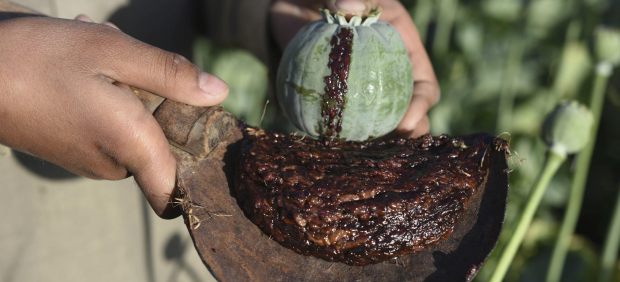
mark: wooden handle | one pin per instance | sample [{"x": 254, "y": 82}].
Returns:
[
  {"x": 194, "y": 130},
  {"x": 150, "y": 100}
]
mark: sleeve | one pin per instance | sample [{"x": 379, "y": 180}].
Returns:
[
  {"x": 10, "y": 7},
  {"x": 243, "y": 23}
]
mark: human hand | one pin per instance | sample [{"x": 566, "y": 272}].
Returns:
[
  {"x": 288, "y": 16},
  {"x": 62, "y": 98}
]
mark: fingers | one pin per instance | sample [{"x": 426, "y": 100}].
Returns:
[
  {"x": 170, "y": 75},
  {"x": 400, "y": 19},
  {"x": 422, "y": 128},
  {"x": 426, "y": 88},
  {"x": 415, "y": 122},
  {"x": 84, "y": 18},
  {"x": 354, "y": 7},
  {"x": 287, "y": 18},
  {"x": 210, "y": 85},
  {"x": 154, "y": 168},
  {"x": 111, "y": 25},
  {"x": 134, "y": 141},
  {"x": 87, "y": 19},
  {"x": 74, "y": 116},
  {"x": 140, "y": 147},
  {"x": 167, "y": 74},
  {"x": 414, "y": 118},
  {"x": 349, "y": 7}
]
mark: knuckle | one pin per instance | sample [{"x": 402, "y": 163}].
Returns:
[
  {"x": 95, "y": 38},
  {"x": 428, "y": 92},
  {"x": 127, "y": 133},
  {"x": 436, "y": 97},
  {"x": 141, "y": 144},
  {"x": 107, "y": 166},
  {"x": 116, "y": 173},
  {"x": 173, "y": 65},
  {"x": 103, "y": 36}
]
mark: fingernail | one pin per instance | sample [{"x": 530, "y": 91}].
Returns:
[
  {"x": 212, "y": 85},
  {"x": 112, "y": 25},
  {"x": 84, "y": 18}
]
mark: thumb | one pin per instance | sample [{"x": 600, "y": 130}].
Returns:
[
  {"x": 350, "y": 7},
  {"x": 167, "y": 74}
]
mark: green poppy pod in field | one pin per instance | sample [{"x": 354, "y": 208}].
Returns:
[
  {"x": 568, "y": 128},
  {"x": 345, "y": 77},
  {"x": 608, "y": 45}
]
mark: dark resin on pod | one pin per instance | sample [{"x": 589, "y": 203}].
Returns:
[
  {"x": 359, "y": 202},
  {"x": 336, "y": 87}
]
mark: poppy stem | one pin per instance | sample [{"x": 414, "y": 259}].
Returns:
[
  {"x": 552, "y": 164},
  {"x": 573, "y": 209},
  {"x": 612, "y": 244}
]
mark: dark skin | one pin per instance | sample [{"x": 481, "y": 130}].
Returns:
[
  {"x": 65, "y": 99},
  {"x": 60, "y": 100}
]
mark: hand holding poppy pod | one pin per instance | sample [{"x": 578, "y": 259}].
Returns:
[{"x": 288, "y": 17}]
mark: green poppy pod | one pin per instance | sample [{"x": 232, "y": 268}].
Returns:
[{"x": 346, "y": 78}]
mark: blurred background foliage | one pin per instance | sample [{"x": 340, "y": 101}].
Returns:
[{"x": 502, "y": 66}]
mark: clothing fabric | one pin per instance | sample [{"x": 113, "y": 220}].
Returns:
[{"x": 240, "y": 22}]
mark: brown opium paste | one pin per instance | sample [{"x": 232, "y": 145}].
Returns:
[
  {"x": 359, "y": 202},
  {"x": 336, "y": 86}
]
